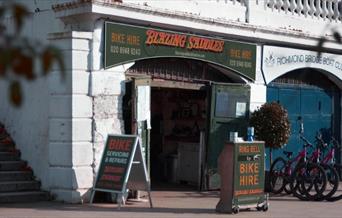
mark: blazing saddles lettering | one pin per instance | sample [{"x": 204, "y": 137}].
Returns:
[{"x": 183, "y": 41}]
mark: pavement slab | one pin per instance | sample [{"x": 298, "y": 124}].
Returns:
[{"x": 172, "y": 204}]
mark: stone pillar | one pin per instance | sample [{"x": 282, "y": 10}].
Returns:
[
  {"x": 107, "y": 88},
  {"x": 70, "y": 120},
  {"x": 258, "y": 88}
]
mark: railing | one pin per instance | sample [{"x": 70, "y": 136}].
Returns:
[{"x": 321, "y": 9}]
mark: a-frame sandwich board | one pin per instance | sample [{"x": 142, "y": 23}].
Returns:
[{"x": 122, "y": 167}]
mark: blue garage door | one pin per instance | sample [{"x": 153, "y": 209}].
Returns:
[{"x": 314, "y": 105}]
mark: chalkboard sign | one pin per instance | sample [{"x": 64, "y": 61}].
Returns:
[{"x": 122, "y": 167}]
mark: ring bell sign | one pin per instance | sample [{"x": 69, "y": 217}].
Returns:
[
  {"x": 249, "y": 172},
  {"x": 126, "y": 43}
]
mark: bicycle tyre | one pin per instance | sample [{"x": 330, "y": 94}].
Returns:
[
  {"x": 296, "y": 182},
  {"x": 332, "y": 182},
  {"x": 315, "y": 181},
  {"x": 277, "y": 175}
]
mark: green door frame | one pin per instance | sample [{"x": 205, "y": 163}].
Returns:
[{"x": 229, "y": 112}]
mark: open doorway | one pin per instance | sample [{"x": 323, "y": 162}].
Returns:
[{"x": 178, "y": 120}]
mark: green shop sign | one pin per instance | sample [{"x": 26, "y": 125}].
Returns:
[{"x": 126, "y": 43}]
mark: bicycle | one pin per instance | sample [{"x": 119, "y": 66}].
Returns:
[
  {"x": 297, "y": 175},
  {"x": 281, "y": 170},
  {"x": 329, "y": 170}
]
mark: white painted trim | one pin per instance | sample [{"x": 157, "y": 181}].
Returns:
[{"x": 278, "y": 61}]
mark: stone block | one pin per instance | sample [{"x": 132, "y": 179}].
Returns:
[
  {"x": 70, "y": 154},
  {"x": 107, "y": 106},
  {"x": 60, "y": 154},
  {"x": 67, "y": 130},
  {"x": 98, "y": 152},
  {"x": 82, "y": 154},
  {"x": 107, "y": 83},
  {"x": 61, "y": 177},
  {"x": 60, "y": 130},
  {"x": 74, "y": 60},
  {"x": 82, "y": 106},
  {"x": 103, "y": 127},
  {"x": 71, "y": 178},
  {"x": 60, "y": 106},
  {"x": 82, "y": 129},
  {"x": 82, "y": 177},
  {"x": 75, "y": 82}
]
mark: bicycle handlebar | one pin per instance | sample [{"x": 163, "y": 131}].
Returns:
[{"x": 307, "y": 143}]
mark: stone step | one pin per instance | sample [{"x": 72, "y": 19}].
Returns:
[
  {"x": 9, "y": 156},
  {"x": 6, "y": 148},
  {"x": 15, "y": 176},
  {"x": 6, "y": 141},
  {"x": 20, "y": 197},
  {"x": 12, "y": 165},
  {"x": 15, "y": 186}
]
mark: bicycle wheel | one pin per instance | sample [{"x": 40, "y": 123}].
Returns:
[
  {"x": 287, "y": 187},
  {"x": 338, "y": 169},
  {"x": 297, "y": 180},
  {"x": 277, "y": 175},
  {"x": 314, "y": 181},
  {"x": 332, "y": 182}
]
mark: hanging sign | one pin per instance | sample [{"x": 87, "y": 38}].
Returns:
[
  {"x": 122, "y": 167},
  {"x": 127, "y": 43}
]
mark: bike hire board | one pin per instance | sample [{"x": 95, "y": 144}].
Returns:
[{"x": 122, "y": 167}]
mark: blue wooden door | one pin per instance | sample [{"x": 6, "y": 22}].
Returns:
[{"x": 313, "y": 105}]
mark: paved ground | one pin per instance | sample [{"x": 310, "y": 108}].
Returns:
[{"x": 173, "y": 204}]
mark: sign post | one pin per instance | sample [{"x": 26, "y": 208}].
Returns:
[{"x": 122, "y": 167}]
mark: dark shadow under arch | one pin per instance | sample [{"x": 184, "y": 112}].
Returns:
[{"x": 184, "y": 69}]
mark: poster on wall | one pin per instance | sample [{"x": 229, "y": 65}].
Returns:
[
  {"x": 128, "y": 43},
  {"x": 240, "y": 109}
]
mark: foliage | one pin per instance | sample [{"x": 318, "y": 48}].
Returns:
[
  {"x": 271, "y": 124},
  {"x": 22, "y": 58}
]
